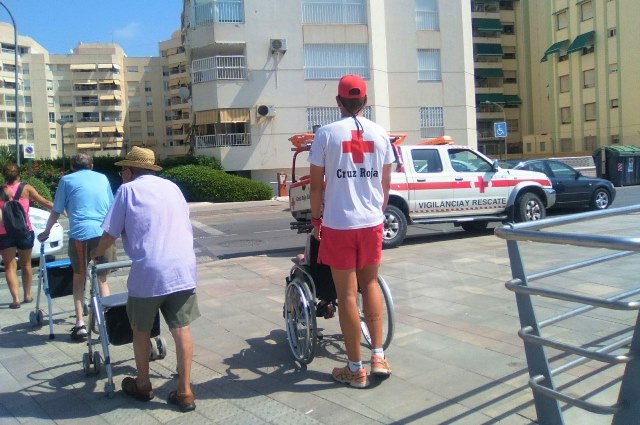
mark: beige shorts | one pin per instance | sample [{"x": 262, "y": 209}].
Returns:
[{"x": 79, "y": 255}]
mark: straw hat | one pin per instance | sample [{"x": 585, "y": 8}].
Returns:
[{"x": 140, "y": 158}]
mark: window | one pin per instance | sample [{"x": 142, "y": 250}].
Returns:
[
  {"x": 429, "y": 65},
  {"x": 586, "y": 11},
  {"x": 52, "y": 117},
  {"x": 149, "y": 101},
  {"x": 426, "y": 161},
  {"x": 334, "y": 12},
  {"x": 589, "y": 78},
  {"x": 509, "y": 52},
  {"x": 510, "y": 77},
  {"x": 565, "y": 115},
  {"x": 506, "y": 5},
  {"x": 326, "y": 115},
  {"x": 613, "y": 67},
  {"x": 528, "y": 148},
  {"x": 150, "y": 132},
  {"x": 66, "y": 101},
  {"x": 614, "y": 103},
  {"x": 149, "y": 116},
  {"x": 427, "y": 15},
  {"x": 612, "y": 32},
  {"x": 134, "y": 101},
  {"x": 147, "y": 86},
  {"x": 134, "y": 116},
  {"x": 332, "y": 61},
  {"x": 508, "y": 29},
  {"x": 543, "y": 146},
  {"x": 590, "y": 111},
  {"x": 589, "y": 143},
  {"x": 147, "y": 68},
  {"x": 132, "y": 68},
  {"x": 561, "y": 20},
  {"x": 614, "y": 139},
  {"x": 566, "y": 145},
  {"x": 513, "y": 126},
  {"x": 49, "y": 85},
  {"x": 431, "y": 122},
  {"x": 27, "y": 101},
  {"x": 564, "y": 83}
]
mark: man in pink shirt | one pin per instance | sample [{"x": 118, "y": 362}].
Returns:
[{"x": 152, "y": 216}]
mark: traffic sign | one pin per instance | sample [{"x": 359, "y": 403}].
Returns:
[
  {"x": 500, "y": 129},
  {"x": 28, "y": 151}
]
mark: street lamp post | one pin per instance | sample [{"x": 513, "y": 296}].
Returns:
[
  {"x": 62, "y": 123},
  {"x": 504, "y": 118},
  {"x": 15, "y": 73}
]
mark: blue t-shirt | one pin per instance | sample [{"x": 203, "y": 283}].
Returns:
[{"x": 87, "y": 196}]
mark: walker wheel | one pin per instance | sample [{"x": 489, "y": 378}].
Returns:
[
  {"x": 162, "y": 347},
  {"x": 110, "y": 389},
  {"x": 86, "y": 364},
  {"x": 97, "y": 362},
  {"x": 36, "y": 318}
]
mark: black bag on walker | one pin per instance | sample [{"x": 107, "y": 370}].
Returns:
[{"x": 117, "y": 322}]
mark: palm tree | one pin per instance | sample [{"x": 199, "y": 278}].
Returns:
[{"x": 6, "y": 155}]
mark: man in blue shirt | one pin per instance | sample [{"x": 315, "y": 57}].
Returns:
[{"x": 86, "y": 195}]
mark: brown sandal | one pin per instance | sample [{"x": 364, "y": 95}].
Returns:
[
  {"x": 13, "y": 306},
  {"x": 186, "y": 402},
  {"x": 131, "y": 388}
]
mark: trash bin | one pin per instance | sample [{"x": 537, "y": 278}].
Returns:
[{"x": 620, "y": 165}]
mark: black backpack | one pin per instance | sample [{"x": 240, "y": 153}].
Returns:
[{"x": 14, "y": 218}]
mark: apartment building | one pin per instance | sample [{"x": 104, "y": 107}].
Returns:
[
  {"x": 583, "y": 89},
  {"x": 263, "y": 71}
]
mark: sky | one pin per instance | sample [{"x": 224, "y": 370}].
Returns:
[{"x": 59, "y": 25}]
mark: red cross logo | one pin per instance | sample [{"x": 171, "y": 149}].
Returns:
[
  {"x": 357, "y": 147},
  {"x": 481, "y": 184}
]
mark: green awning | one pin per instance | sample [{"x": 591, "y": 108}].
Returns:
[
  {"x": 489, "y": 25},
  {"x": 488, "y": 49},
  {"x": 555, "y": 47},
  {"x": 512, "y": 99},
  {"x": 489, "y": 97},
  {"x": 582, "y": 41},
  {"x": 489, "y": 72}
]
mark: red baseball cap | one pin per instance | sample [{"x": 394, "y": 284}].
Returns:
[{"x": 352, "y": 87}]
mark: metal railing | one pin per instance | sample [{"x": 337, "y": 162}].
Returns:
[
  {"x": 615, "y": 348},
  {"x": 223, "y": 140},
  {"x": 232, "y": 67}
]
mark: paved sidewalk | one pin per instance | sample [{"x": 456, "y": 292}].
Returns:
[{"x": 456, "y": 356}]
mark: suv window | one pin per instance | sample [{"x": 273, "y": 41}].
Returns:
[{"x": 464, "y": 160}]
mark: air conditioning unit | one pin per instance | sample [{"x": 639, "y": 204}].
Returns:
[
  {"x": 265, "y": 111},
  {"x": 278, "y": 45}
]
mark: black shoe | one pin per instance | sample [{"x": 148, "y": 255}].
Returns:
[{"x": 79, "y": 333}]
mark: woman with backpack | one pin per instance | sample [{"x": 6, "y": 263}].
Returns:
[{"x": 18, "y": 241}]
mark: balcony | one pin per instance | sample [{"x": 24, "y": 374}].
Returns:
[
  {"x": 223, "y": 140},
  {"x": 219, "y": 68}
]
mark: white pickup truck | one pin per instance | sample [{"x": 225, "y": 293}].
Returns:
[{"x": 438, "y": 182}]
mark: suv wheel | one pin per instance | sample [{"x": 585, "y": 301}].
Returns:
[
  {"x": 395, "y": 227},
  {"x": 529, "y": 207}
]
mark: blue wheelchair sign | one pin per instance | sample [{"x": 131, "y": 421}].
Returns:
[{"x": 500, "y": 129}]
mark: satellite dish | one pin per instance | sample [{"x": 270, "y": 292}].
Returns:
[{"x": 183, "y": 92}]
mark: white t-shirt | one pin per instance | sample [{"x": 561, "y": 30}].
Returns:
[{"x": 353, "y": 165}]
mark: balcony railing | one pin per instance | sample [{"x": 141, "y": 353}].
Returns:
[
  {"x": 218, "y": 11},
  {"x": 219, "y": 68},
  {"x": 334, "y": 13},
  {"x": 427, "y": 21},
  {"x": 223, "y": 140}
]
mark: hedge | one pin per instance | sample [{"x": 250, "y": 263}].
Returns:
[{"x": 204, "y": 184}]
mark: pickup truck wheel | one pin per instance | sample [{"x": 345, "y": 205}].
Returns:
[
  {"x": 529, "y": 207},
  {"x": 395, "y": 227},
  {"x": 474, "y": 226}
]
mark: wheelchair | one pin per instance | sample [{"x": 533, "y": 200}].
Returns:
[{"x": 309, "y": 287}]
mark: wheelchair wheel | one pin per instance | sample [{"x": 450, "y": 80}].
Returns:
[
  {"x": 388, "y": 312},
  {"x": 300, "y": 321}
]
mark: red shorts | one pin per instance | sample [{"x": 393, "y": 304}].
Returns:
[{"x": 351, "y": 249}]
